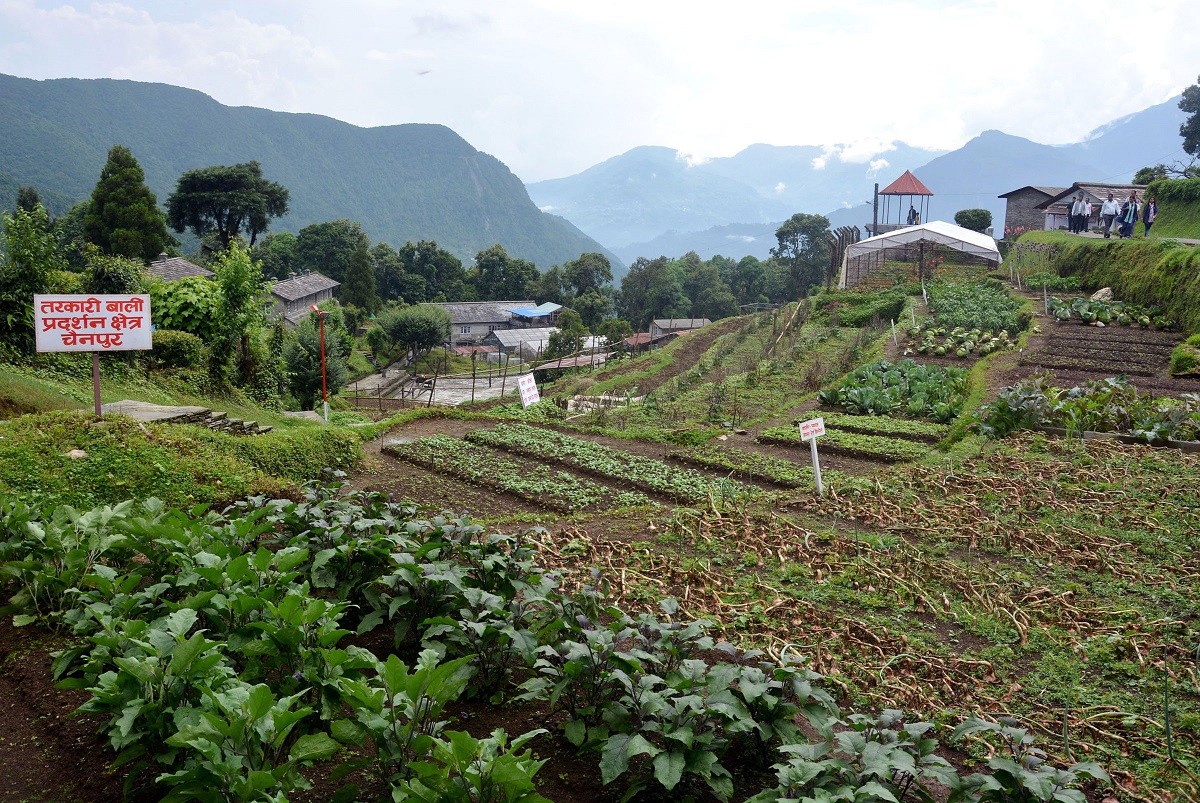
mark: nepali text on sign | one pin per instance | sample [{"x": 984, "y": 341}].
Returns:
[
  {"x": 529, "y": 390},
  {"x": 813, "y": 428},
  {"x": 92, "y": 322}
]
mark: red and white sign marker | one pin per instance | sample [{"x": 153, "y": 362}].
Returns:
[
  {"x": 809, "y": 431},
  {"x": 95, "y": 323},
  {"x": 813, "y": 428},
  {"x": 529, "y": 390},
  {"x": 92, "y": 322}
]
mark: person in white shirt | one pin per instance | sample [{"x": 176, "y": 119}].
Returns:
[
  {"x": 1076, "y": 222},
  {"x": 1085, "y": 224},
  {"x": 1108, "y": 213}
]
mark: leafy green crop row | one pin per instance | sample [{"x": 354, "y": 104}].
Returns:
[
  {"x": 209, "y": 645},
  {"x": 643, "y": 472},
  {"x": 872, "y": 447},
  {"x": 904, "y": 387},
  {"x": 983, "y": 306},
  {"x": 1109, "y": 405},
  {"x": 554, "y": 489},
  {"x": 748, "y": 464},
  {"x": 886, "y": 425}
]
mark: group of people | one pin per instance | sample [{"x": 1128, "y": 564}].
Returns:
[{"x": 1121, "y": 216}]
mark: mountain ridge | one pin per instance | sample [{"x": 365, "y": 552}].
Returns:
[
  {"x": 412, "y": 181},
  {"x": 838, "y": 182}
]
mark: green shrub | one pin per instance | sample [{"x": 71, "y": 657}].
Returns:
[
  {"x": 1167, "y": 189},
  {"x": 973, "y": 219},
  {"x": 1185, "y": 358},
  {"x": 175, "y": 349},
  {"x": 858, "y": 308}
]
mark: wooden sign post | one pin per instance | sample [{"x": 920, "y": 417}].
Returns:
[{"x": 809, "y": 431}]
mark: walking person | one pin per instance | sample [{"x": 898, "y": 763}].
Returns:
[
  {"x": 1108, "y": 213},
  {"x": 1149, "y": 212},
  {"x": 1129, "y": 216},
  {"x": 1086, "y": 223},
  {"x": 1077, "y": 215}
]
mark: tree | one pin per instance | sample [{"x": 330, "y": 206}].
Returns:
[
  {"x": 416, "y": 329},
  {"x": 327, "y": 247},
  {"x": 1150, "y": 173},
  {"x": 69, "y": 233},
  {"x": 303, "y": 359},
  {"x": 358, "y": 285},
  {"x": 27, "y": 258},
  {"x": 651, "y": 290},
  {"x": 226, "y": 201},
  {"x": 278, "y": 254},
  {"x": 444, "y": 274},
  {"x": 591, "y": 271},
  {"x": 111, "y": 274},
  {"x": 568, "y": 339},
  {"x": 123, "y": 218},
  {"x": 240, "y": 313},
  {"x": 550, "y": 287},
  {"x": 1190, "y": 130},
  {"x": 28, "y": 198},
  {"x": 803, "y": 250},
  {"x": 392, "y": 280},
  {"x": 498, "y": 276},
  {"x": 592, "y": 306},
  {"x": 973, "y": 219}
]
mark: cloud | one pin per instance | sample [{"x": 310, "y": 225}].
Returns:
[
  {"x": 552, "y": 88},
  {"x": 877, "y": 165},
  {"x": 779, "y": 188},
  {"x": 691, "y": 160}
]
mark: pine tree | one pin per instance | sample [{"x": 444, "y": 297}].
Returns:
[
  {"x": 358, "y": 285},
  {"x": 124, "y": 218}
]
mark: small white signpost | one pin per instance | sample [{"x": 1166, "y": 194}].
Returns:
[
  {"x": 809, "y": 431},
  {"x": 92, "y": 323},
  {"x": 529, "y": 390}
]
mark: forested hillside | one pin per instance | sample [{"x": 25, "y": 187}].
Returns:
[{"x": 404, "y": 182}]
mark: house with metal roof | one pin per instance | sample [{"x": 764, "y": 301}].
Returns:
[
  {"x": 674, "y": 326},
  {"x": 472, "y": 321},
  {"x": 172, "y": 269},
  {"x": 293, "y": 297},
  {"x": 525, "y": 342}
]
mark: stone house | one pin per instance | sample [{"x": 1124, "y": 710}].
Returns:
[
  {"x": 293, "y": 297},
  {"x": 1022, "y": 210},
  {"x": 172, "y": 269}
]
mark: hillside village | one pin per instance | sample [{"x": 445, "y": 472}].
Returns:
[{"x": 904, "y": 510}]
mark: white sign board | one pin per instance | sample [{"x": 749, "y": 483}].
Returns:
[
  {"x": 529, "y": 390},
  {"x": 813, "y": 428},
  {"x": 92, "y": 322}
]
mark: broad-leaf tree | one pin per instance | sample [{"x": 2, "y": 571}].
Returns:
[
  {"x": 444, "y": 274},
  {"x": 652, "y": 290},
  {"x": 111, "y": 274},
  {"x": 278, "y": 254},
  {"x": 123, "y": 218},
  {"x": 498, "y": 276},
  {"x": 1190, "y": 130},
  {"x": 240, "y": 314},
  {"x": 227, "y": 201},
  {"x": 417, "y": 328},
  {"x": 393, "y": 279},
  {"x": 803, "y": 249},
  {"x": 327, "y": 248},
  {"x": 28, "y": 255},
  {"x": 592, "y": 271},
  {"x": 973, "y": 219},
  {"x": 568, "y": 339}
]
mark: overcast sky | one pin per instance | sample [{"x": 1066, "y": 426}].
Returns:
[{"x": 553, "y": 87}]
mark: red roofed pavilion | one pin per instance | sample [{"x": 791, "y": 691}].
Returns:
[{"x": 908, "y": 212}]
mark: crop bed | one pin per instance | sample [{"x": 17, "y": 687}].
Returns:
[
  {"x": 748, "y": 466},
  {"x": 642, "y": 472},
  {"x": 1076, "y": 353},
  {"x": 904, "y": 428},
  {"x": 555, "y": 490},
  {"x": 852, "y": 444}
]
